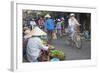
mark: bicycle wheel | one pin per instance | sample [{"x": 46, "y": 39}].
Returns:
[{"x": 78, "y": 41}]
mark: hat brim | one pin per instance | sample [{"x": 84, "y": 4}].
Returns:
[{"x": 37, "y": 32}]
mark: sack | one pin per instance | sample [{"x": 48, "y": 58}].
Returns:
[
  {"x": 54, "y": 36},
  {"x": 55, "y": 30}
]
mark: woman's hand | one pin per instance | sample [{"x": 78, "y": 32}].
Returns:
[{"x": 48, "y": 45}]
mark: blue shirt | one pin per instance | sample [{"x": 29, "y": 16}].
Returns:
[{"x": 49, "y": 24}]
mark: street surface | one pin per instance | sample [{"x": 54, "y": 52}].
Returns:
[{"x": 71, "y": 52}]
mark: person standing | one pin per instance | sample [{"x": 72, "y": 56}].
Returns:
[
  {"x": 41, "y": 22},
  {"x": 49, "y": 25},
  {"x": 62, "y": 26},
  {"x": 58, "y": 27}
]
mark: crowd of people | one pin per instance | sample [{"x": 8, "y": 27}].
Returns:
[
  {"x": 52, "y": 25},
  {"x": 32, "y": 44}
]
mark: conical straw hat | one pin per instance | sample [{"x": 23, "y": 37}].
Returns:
[
  {"x": 47, "y": 16},
  {"x": 37, "y": 32},
  {"x": 27, "y": 31}
]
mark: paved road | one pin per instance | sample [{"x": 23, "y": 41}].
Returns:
[{"x": 73, "y": 53}]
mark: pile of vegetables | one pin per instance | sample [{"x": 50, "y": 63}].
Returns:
[{"x": 57, "y": 54}]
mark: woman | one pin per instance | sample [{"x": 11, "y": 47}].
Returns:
[
  {"x": 58, "y": 27},
  {"x": 35, "y": 45}
]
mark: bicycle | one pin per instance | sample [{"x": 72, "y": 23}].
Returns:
[{"x": 75, "y": 39}]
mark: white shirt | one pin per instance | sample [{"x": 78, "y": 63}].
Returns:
[
  {"x": 34, "y": 47},
  {"x": 73, "y": 23}
]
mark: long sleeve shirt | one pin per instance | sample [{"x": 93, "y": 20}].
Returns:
[
  {"x": 73, "y": 24},
  {"x": 34, "y": 47},
  {"x": 49, "y": 24}
]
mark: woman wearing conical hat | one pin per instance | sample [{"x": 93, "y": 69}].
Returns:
[{"x": 35, "y": 45}]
